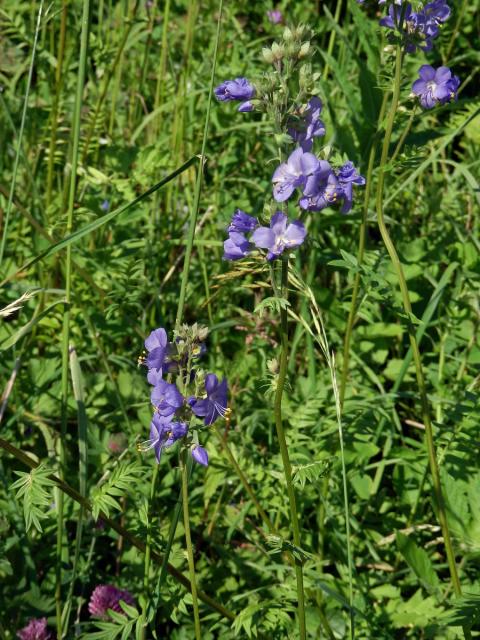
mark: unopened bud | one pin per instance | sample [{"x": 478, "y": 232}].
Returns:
[
  {"x": 268, "y": 55},
  {"x": 278, "y": 51},
  {"x": 287, "y": 35},
  {"x": 272, "y": 366},
  {"x": 304, "y": 50}
]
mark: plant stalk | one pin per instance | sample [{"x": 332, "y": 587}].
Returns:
[
  {"x": 281, "y": 379},
  {"x": 432, "y": 458},
  {"x": 188, "y": 540},
  {"x": 68, "y": 298},
  {"x": 360, "y": 254}
]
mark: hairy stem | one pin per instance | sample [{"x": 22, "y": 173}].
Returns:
[{"x": 432, "y": 457}]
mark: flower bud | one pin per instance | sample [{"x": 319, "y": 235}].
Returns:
[
  {"x": 304, "y": 50},
  {"x": 278, "y": 51},
  {"x": 287, "y": 35},
  {"x": 268, "y": 55},
  {"x": 272, "y": 366}
]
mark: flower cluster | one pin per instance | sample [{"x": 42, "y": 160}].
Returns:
[
  {"x": 36, "y": 629},
  {"x": 320, "y": 184},
  {"x": 105, "y": 597},
  {"x": 174, "y": 409},
  {"x": 417, "y": 28},
  {"x": 276, "y": 238}
]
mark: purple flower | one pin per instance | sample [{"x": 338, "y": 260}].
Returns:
[
  {"x": 242, "y": 222},
  {"x": 236, "y": 246},
  {"x": 105, "y": 206},
  {"x": 105, "y": 597},
  {"x": 245, "y": 106},
  {"x": 435, "y": 86},
  {"x": 275, "y": 16},
  {"x": 325, "y": 192},
  {"x": 347, "y": 177},
  {"x": 435, "y": 13},
  {"x": 157, "y": 346},
  {"x": 238, "y": 89},
  {"x": 418, "y": 29},
  {"x": 309, "y": 126},
  {"x": 327, "y": 187},
  {"x": 200, "y": 455},
  {"x": 163, "y": 433},
  {"x": 293, "y": 174},
  {"x": 279, "y": 236},
  {"x": 215, "y": 404},
  {"x": 36, "y": 629},
  {"x": 166, "y": 398}
]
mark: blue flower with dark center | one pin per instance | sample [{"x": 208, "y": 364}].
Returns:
[{"x": 215, "y": 404}]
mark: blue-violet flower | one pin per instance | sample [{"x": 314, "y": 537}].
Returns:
[
  {"x": 215, "y": 404},
  {"x": 435, "y": 86},
  {"x": 293, "y": 174},
  {"x": 238, "y": 89},
  {"x": 279, "y": 236},
  {"x": 200, "y": 455},
  {"x": 166, "y": 398},
  {"x": 309, "y": 125},
  {"x": 163, "y": 433}
]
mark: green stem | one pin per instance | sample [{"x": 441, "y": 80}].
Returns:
[
  {"x": 456, "y": 29},
  {"x": 243, "y": 479},
  {"x": 188, "y": 540},
  {"x": 148, "y": 548},
  {"x": 55, "y": 105},
  {"x": 198, "y": 184},
  {"x": 20, "y": 135},
  {"x": 405, "y": 133},
  {"x": 156, "y": 125},
  {"x": 432, "y": 458},
  {"x": 333, "y": 35},
  {"x": 68, "y": 298},
  {"x": 360, "y": 254},
  {"x": 287, "y": 467}
]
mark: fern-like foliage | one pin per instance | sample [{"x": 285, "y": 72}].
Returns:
[
  {"x": 36, "y": 490},
  {"x": 124, "y": 626},
  {"x": 105, "y": 497},
  {"x": 311, "y": 472}
]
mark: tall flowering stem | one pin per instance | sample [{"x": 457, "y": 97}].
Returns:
[
  {"x": 188, "y": 540},
  {"x": 282, "y": 376},
  {"x": 360, "y": 254},
  {"x": 432, "y": 457}
]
